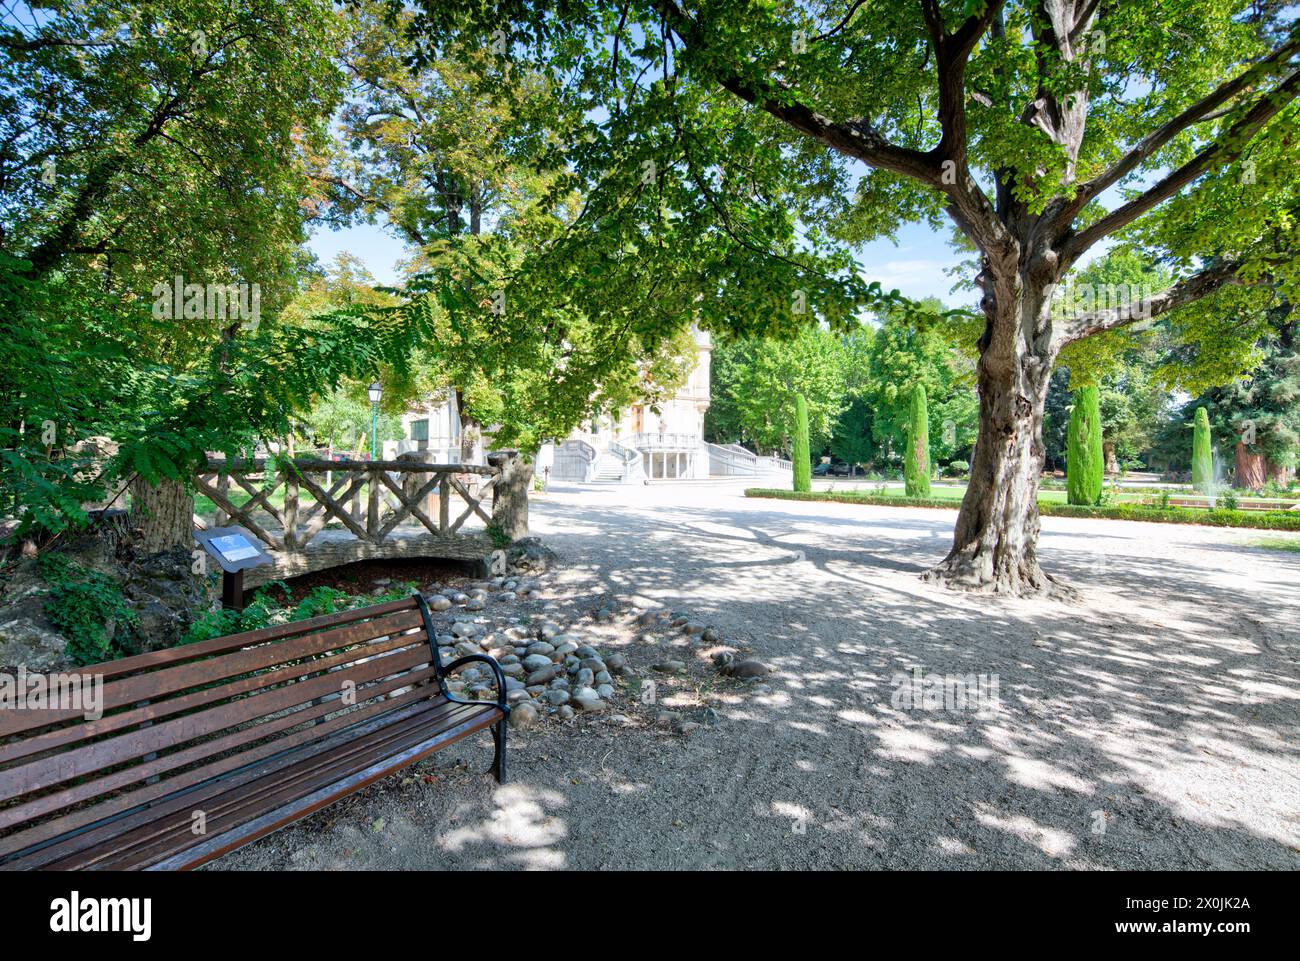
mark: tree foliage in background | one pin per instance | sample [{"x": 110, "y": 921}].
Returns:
[
  {"x": 756, "y": 381},
  {"x": 470, "y": 182},
  {"x": 922, "y": 347},
  {"x": 138, "y": 142}
]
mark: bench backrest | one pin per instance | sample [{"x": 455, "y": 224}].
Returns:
[{"x": 175, "y": 718}]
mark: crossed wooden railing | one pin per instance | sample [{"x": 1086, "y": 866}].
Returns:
[{"x": 369, "y": 498}]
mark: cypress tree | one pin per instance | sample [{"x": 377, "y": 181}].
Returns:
[
  {"x": 1202, "y": 454},
  {"x": 916, "y": 466},
  {"x": 1084, "y": 460},
  {"x": 802, "y": 456}
]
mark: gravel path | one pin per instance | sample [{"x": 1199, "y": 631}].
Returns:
[{"x": 1152, "y": 725}]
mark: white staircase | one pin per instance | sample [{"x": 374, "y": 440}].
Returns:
[{"x": 608, "y": 469}]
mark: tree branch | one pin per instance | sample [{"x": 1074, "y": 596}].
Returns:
[
  {"x": 854, "y": 138},
  {"x": 1204, "y": 109},
  {"x": 1179, "y": 295},
  {"x": 1225, "y": 149}
]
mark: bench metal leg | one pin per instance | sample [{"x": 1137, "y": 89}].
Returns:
[{"x": 499, "y": 739}]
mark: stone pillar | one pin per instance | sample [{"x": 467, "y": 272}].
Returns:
[{"x": 510, "y": 494}]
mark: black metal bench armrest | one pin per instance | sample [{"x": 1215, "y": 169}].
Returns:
[{"x": 496, "y": 670}]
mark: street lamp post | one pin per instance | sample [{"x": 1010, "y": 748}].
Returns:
[{"x": 376, "y": 394}]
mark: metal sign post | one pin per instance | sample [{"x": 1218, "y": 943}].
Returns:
[{"x": 235, "y": 551}]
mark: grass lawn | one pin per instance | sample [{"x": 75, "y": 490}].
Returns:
[
  {"x": 1289, "y": 544},
  {"x": 956, "y": 490}
]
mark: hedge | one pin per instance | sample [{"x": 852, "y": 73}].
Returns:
[{"x": 1259, "y": 520}]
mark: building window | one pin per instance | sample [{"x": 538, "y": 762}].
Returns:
[{"x": 420, "y": 434}]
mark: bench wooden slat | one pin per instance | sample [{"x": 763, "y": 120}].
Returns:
[
  {"x": 291, "y": 777},
  {"x": 118, "y": 804},
  {"x": 156, "y": 710},
  {"x": 45, "y": 773},
  {"x": 273, "y": 820},
  {"x": 174, "y": 679}
]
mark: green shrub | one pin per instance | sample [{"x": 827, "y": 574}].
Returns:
[
  {"x": 273, "y": 604},
  {"x": 81, "y": 605},
  {"x": 802, "y": 456},
  {"x": 916, "y": 467},
  {"x": 1084, "y": 461}
]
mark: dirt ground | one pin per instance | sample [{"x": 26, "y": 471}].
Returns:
[{"x": 1153, "y": 724}]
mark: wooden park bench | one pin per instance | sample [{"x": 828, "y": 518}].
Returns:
[{"x": 204, "y": 748}]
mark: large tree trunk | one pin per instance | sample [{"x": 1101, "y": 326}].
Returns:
[
  {"x": 995, "y": 543},
  {"x": 1251, "y": 469},
  {"x": 164, "y": 513},
  {"x": 1111, "y": 461}
]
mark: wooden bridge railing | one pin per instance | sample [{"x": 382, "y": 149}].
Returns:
[{"x": 318, "y": 491}]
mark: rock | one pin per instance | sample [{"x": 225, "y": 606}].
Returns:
[
  {"x": 616, "y": 664},
  {"x": 592, "y": 664},
  {"x": 512, "y": 670},
  {"x": 535, "y": 662},
  {"x": 606, "y": 691},
  {"x": 505, "y": 659},
  {"x": 565, "y": 639},
  {"x": 710, "y": 634},
  {"x": 437, "y": 602},
  {"x": 475, "y": 604},
  {"x": 166, "y": 594},
  {"x": 458, "y": 598},
  {"x": 467, "y": 629},
  {"x": 667, "y": 719},
  {"x": 548, "y": 630},
  {"x": 27, "y": 639},
  {"x": 571, "y": 664},
  {"x": 693, "y": 627},
  {"x": 513, "y": 684},
  {"x": 686, "y": 727},
  {"x": 556, "y": 696},
  {"x": 465, "y": 648},
  {"x": 669, "y": 667},
  {"x": 647, "y": 618},
  {"x": 529, "y": 553},
  {"x": 588, "y": 701},
  {"x": 586, "y": 651},
  {"x": 723, "y": 660},
  {"x": 541, "y": 647},
  {"x": 565, "y": 713},
  {"x": 542, "y": 675},
  {"x": 523, "y": 715},
  {"x": 745, "y": 670},
  {"x": 560, "y": 682},
  {"x": 564, "y": 649},
  {"x": 585, "y": 677},
  {"x": 602, "y": 677},
  {"x": 711, "y": 717},
  {"x": 506, "y": 596}
]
